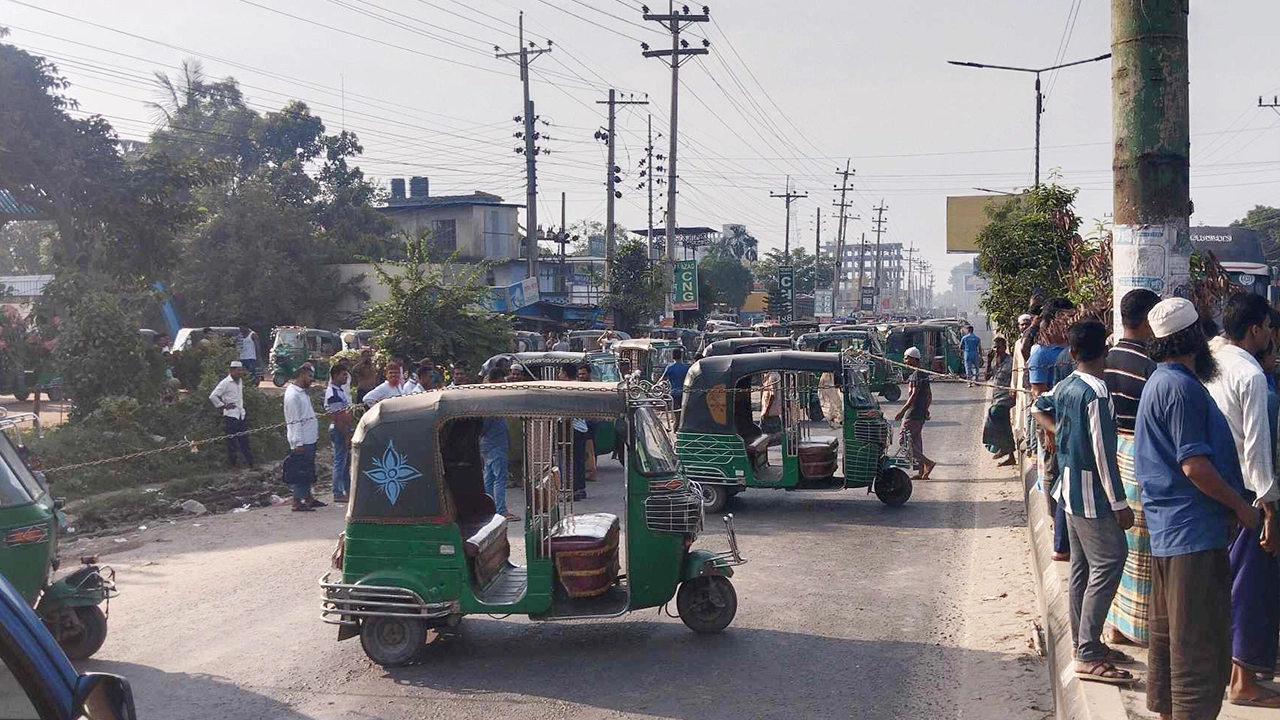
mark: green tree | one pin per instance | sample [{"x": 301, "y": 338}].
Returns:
[
  {"x": 1026, "y": 250},
  {"x": 808, "y": 271},
  {"x": 727, "y": 281},
  {"x": 25, "y": 247},
  {"x": 637, "y": 287},
  {"x": 1265, "y": 220},
  {"x": 436, "y": 311}
]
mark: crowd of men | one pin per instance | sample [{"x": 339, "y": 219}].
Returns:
[{"x": 1158, "y": 454}]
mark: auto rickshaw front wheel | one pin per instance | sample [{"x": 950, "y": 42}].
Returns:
[
  {"x": 83, "y": 633},
  {"x": 891, "y": 393},
  {"x": 707, "y": 603},
  {"x": 392, "y": 641},
  {"x": 279, "y": 379},
  {"x": 894, "y": 487}
]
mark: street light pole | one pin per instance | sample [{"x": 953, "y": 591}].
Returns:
[{"x": 1039, "y": 95}]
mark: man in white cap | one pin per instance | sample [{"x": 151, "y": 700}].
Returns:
[
  {"x": 916, "y": 411},
  {"x": 1185, "y": 459},
  {"x": 228, "y": 396}
]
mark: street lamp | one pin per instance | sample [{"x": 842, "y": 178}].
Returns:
[{"x": 1039, "y": 95}]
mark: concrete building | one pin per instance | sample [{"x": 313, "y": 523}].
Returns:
[
  {"x": 892, "y": 269},
  {"x": 479, "y": 226}
]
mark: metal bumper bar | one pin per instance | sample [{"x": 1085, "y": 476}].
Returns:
[
  {"x": 733, "y": 557},
  {"x": 344, "y": 604}
]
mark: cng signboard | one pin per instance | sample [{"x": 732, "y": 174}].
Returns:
[
  {"x": 867, "y": 299},
  {"x": 824, "y": 304},
  {"x": 787, "y": 289},
  {"x": 686, "y": 290}
]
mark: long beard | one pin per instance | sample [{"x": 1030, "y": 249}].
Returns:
[{"x": 1206, "y": 365}]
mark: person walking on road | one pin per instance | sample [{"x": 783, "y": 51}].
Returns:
[
  {"x": 337, "y": 404},
  {"x": 674, "y": 374},
  {"x": 1128, "y": 367},
  {"x": 971, "y": 349},
  {"x": 247, "y": 346},
  {"x": 1080, "y": 422},
  {"x": 997, "y": 432},
  {"x": 228, "y": 396},
  {"x": 916, "y": 412},
  {"x": 1240, "y": 391},
  {"x": 303, "y": 433},
  {"x": 494, "y": 444},
  {"x": 1185, "y": 459},
  {"x": 391, "y": 387}
]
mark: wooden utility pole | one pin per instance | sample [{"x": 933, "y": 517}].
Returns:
[
  {"x": 612, "y": 179},
  {"x": 1151, "y": 162},
  {"x": 524, "y": 57},
  {"x": 675, "y": 23},
  {"x": 787, "y": 197}
]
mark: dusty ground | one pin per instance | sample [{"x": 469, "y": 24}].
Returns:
[{"x": 847, "y": 610}]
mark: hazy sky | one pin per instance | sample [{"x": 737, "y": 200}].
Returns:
[{"x": 789, "y": 88}]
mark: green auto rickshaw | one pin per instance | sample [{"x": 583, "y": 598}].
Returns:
[
  {"x": 747, "y": 345},
  {"x": 939, "y": 345},
  {"x": 725, "y": 450},
  {"x": 292, "y": 346},
  {"x": 31, "y": 522},
  {"x": 712, "y": 336},
  {"x": 547, "y": 364},
  {"x": 423, "y": 546},
  {"x": 647, "y": 356},
  {"x": 882, "y": 377}
]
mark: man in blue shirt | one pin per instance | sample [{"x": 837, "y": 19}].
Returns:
[
  {"x": 1185, "y": 459},
  {"x": 971, "y": 349},
  {"x": 1078, "y": 417},
  {"x": 674, "y": 374},
  {"x": 1047, "y": 365},
  {"x": 494, "y": 443}
]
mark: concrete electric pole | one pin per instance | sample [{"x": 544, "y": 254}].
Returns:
[
  {"x": 1152, "y": 141},
  {"x": 526, "y": 55},
  {"x": 612, "y": 179},
  {"x": 787, "y": 197},
  {"x": 675, "y": 23},
  {"x": 879, "y": 228},
  {"x": 838, "y": 277}
]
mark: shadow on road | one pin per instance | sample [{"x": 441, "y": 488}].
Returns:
[
  {"x": 663, "y": 670},
  {"x": 206, "y": 696},
  {"x": 770, "y": 511}
]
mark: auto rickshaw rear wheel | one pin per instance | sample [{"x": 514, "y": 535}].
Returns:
[
  {"x": 392, "y": 641},
  {"x": 83, "y": 634},
  {"x": 891, "y": 393},
  {"x": 894, "y": 487},
  {"x": 714, "y": 497},
  {"x": 707, "y": 604},
  {"x": 279, "y": 379}
]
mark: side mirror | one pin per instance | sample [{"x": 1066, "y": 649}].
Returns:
[{"x": 101, "y": 696}]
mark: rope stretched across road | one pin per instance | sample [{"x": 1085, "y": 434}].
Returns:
[{"x": 194, "y": 445}]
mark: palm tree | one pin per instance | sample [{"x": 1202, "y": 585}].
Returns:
[{"x": 177, "y": 95}]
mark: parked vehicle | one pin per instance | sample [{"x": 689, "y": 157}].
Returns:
[
  {"x": 356, "y": 339},
  {"x": 31, "y": 521},
  {"x": 726, "y": 451},
  {"x": 717, "y": 335},
  {"x": 38, "y": 681},
  {"x": 292, "y": 346},
  {"x": 939, "y": 345},
  {"x": 546, "y": 365},
  {"x": 770, "y": 329},
  {"x": 881, "y": 377},
  {"x": 689, "y": 338},
  {"x": 528, "y": 341},
  {"x": 648, "y": 357},
  {"x": 423, "y": 546},
  {"x": 589, "y": 340},
  {"x": 188, "y": 337},
  {"x": 747, "y": 345},
  {"x": 717, "y": 324}
]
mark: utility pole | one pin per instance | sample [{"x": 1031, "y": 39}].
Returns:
[
  {"x": 862, "y": 269},
  {"x": 612, "y": 179},
  {"x": 1151, "y": 160},
  {"x": 817, "y": 249},
  {"x": 910, "y": 253},
  {"x": 526, "y": 55},
  {"x": 1039, "y": 95},
  {"x": 650, "y": 178},
  {"x": 675, "y": 23},
  {"x": 787, "y": 197},
  {"x": 838, "y": 276},
  {"x": 879, "y": 228},
  {"x": 1274, "y": 104}
]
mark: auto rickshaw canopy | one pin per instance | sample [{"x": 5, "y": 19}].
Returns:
[
  {"x": 709, "y": 382},
  {"x": 412, "y": 461},
  {"x": 745, "y": 345}
]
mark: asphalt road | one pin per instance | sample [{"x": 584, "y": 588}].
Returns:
[{"x": 847, "y": 609}]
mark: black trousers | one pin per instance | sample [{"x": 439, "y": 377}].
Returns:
[
  {"x": 239, "y": 443},
  {"x": 1190, "y": 650},
  {"x": 580, "y": 460}
]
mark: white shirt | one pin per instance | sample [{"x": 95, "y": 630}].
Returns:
[
  {"x": 382, "y": 392},
  {"x": 301, "y": 416},
  {"x": 248, "y": 346},
  {"x": 229, "y": 391},
  {"x": 411, "y": 386},
  {"x": 1240, "y": 391},
  {"x": 336, "y": 398}
]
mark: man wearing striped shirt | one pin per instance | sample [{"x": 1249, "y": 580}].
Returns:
[{"x": 1079, "y": 419}]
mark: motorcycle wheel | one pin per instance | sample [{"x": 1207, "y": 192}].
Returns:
[{"x": 83, "y": 643}]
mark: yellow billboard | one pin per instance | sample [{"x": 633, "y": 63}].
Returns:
[{"x": 966, "y": 217}]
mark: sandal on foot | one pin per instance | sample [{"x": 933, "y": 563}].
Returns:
[
  {"x": 1267, "y": 699},
  {"x": 303, "y": 508},
  {"x": 1119, "y": 657},
  {"x": 316, "y": 503},
  {"x": 1104, "y": 672},
  {"x": 1061, "y": 557}
]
